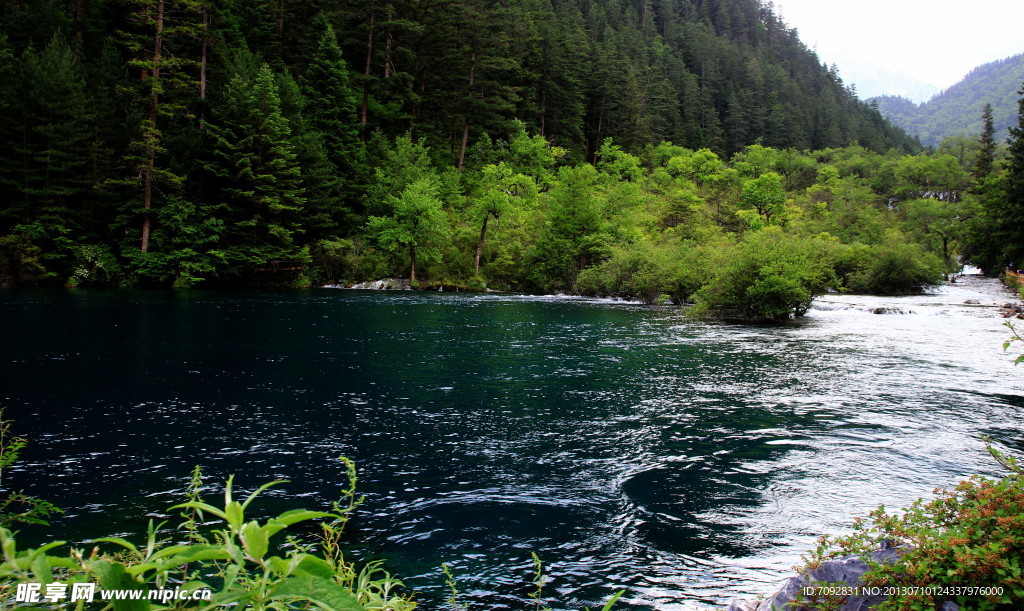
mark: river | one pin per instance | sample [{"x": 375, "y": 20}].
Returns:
[{"x": 628, "y": 446}]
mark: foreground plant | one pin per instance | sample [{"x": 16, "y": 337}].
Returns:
[
  {"x": 966, "y": 545},
  {"x": 18, "y": 506},
  {"x": 242, "y": 563},
  {"x": 1015, "y": 337}
]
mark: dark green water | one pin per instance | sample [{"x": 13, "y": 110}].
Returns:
[{"x": 628, "y": 446}]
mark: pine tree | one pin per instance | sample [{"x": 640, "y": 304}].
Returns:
[
  {"x": 54, "y": 148},
  {"x": 1012, "y": 220},
  {"x": 163, "y": 76},
  {"x": 255, "y": 159},
  {"x": 985, "y": 161},
  {"x": 9, "y": 166},
  {"x": 330, "y": 109}
]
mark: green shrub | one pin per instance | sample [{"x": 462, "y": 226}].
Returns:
[
  {"x": 769, "y": 275},
  {"x": 641, "y": 271},
  {"x": 19, "y": 261},
  {"x": 891, "y": 268},
  {"x": 972, "y": 535}
]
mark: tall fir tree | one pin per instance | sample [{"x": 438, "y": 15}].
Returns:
[
  {"x": 54, "y": 148},
  {"x": 330, "y": 110},
  {"x": 984, "y": 163},
  {"x": 165, "y": 82},
  {"x": 260, "y": 180},
  {"x": 1013, "y": 214}
]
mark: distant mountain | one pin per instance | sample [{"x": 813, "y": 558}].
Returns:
[
  {"x": 873, "y": 81},
  {"x": 958, "y": 109}
]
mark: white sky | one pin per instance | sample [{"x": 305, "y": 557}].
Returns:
[{"x": 934, "y": 41}]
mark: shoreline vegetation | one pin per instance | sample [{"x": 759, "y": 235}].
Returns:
[
  {"x": 758, "y": 236},
  {"x": 214, "y": 557}
]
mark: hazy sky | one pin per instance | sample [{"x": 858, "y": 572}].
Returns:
[{"x": 934, "y": 41}]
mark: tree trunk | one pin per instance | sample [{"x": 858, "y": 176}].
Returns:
[
  {"x": 366, "y": 75},
  {"x": 388, "y": 42},
  {"x": 465, "y": 121},
  {"x": 154, "y": 101},
  {"x": 465, "y": 140},
  {"x": 543, "y": 102},
  {"x": 412, "y": 266},
  {"x": 79, "y": 25},
  {"x": 202, "y": 59},
  {"x": 480, "y": 245}
]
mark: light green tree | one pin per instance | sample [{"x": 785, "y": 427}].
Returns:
[
  {"x": 416, "y": 224},
  {"x": 503, "y": 191},
  {"x": 765, "y": 197}
]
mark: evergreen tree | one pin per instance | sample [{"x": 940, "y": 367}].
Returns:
[
  {"x": 54, "y": 149},
  {"x": 985, "y": 161},
  {"x": 163, "y": 76},
  {"x": 330, "y": 110},
  {"x": 261, "y": 183},
  {"x": 1013, "y": 213}
]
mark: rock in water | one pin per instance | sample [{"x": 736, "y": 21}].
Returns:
[
  {"x": 846, "y": 571},
  {"x": 384, "y": 284}
]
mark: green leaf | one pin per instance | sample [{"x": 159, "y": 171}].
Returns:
[
  {"x": 260, "y": 490},
  {"x": 194, "y": 553},
  {"x": 234, "y": 515},
  {"x": 255, "y": 540},
  {"x": 612, "y": 600},
  {"x": 317, "y": 590},
  {"x": 117, "y": 540},
  {"x": 275, "y": 525},
  {"x": 299, "y": 515},
  {"x": 315, "y": 567},
  {"x": 202, "y": 507},
  {"x": 112, "y": 576}
]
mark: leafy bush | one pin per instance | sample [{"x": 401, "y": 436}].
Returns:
[
  {"x": 769, "y": 275},
  {"x": 19, "y": 261},
  {"x": 640, "y": 271},
  {"x": 18, "y": 506},
  {"x": 890, "y": 268},
  {"x": 972, "y": 535}
]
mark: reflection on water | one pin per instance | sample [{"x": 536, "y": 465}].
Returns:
[{"x": 628, "y": 446}]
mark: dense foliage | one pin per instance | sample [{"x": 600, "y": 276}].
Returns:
[
  {"x": 243, "y": 563},
  {"x": 958, "y": 110},
  {"x": 525, "y": 147},
  {"x": 158, "y": 142}
]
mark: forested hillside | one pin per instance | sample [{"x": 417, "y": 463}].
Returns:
[
  {"x": 185, "y": 141},
  {"x": 958, "y": 109}
]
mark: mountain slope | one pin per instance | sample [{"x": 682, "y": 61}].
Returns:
[
  {"x": 958, "y": 109},
  {"x": 720, "y": 74}
]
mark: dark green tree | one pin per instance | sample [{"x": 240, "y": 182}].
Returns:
[
  {"x": 153, "y": 41},
  {"x": 1013, "y": 212},
  {"x": 330, "y": 110},
  {"x": 53, "y": 149},
  {"x": 256, "y": 166},
  {"x": 985, "y": 161}
]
